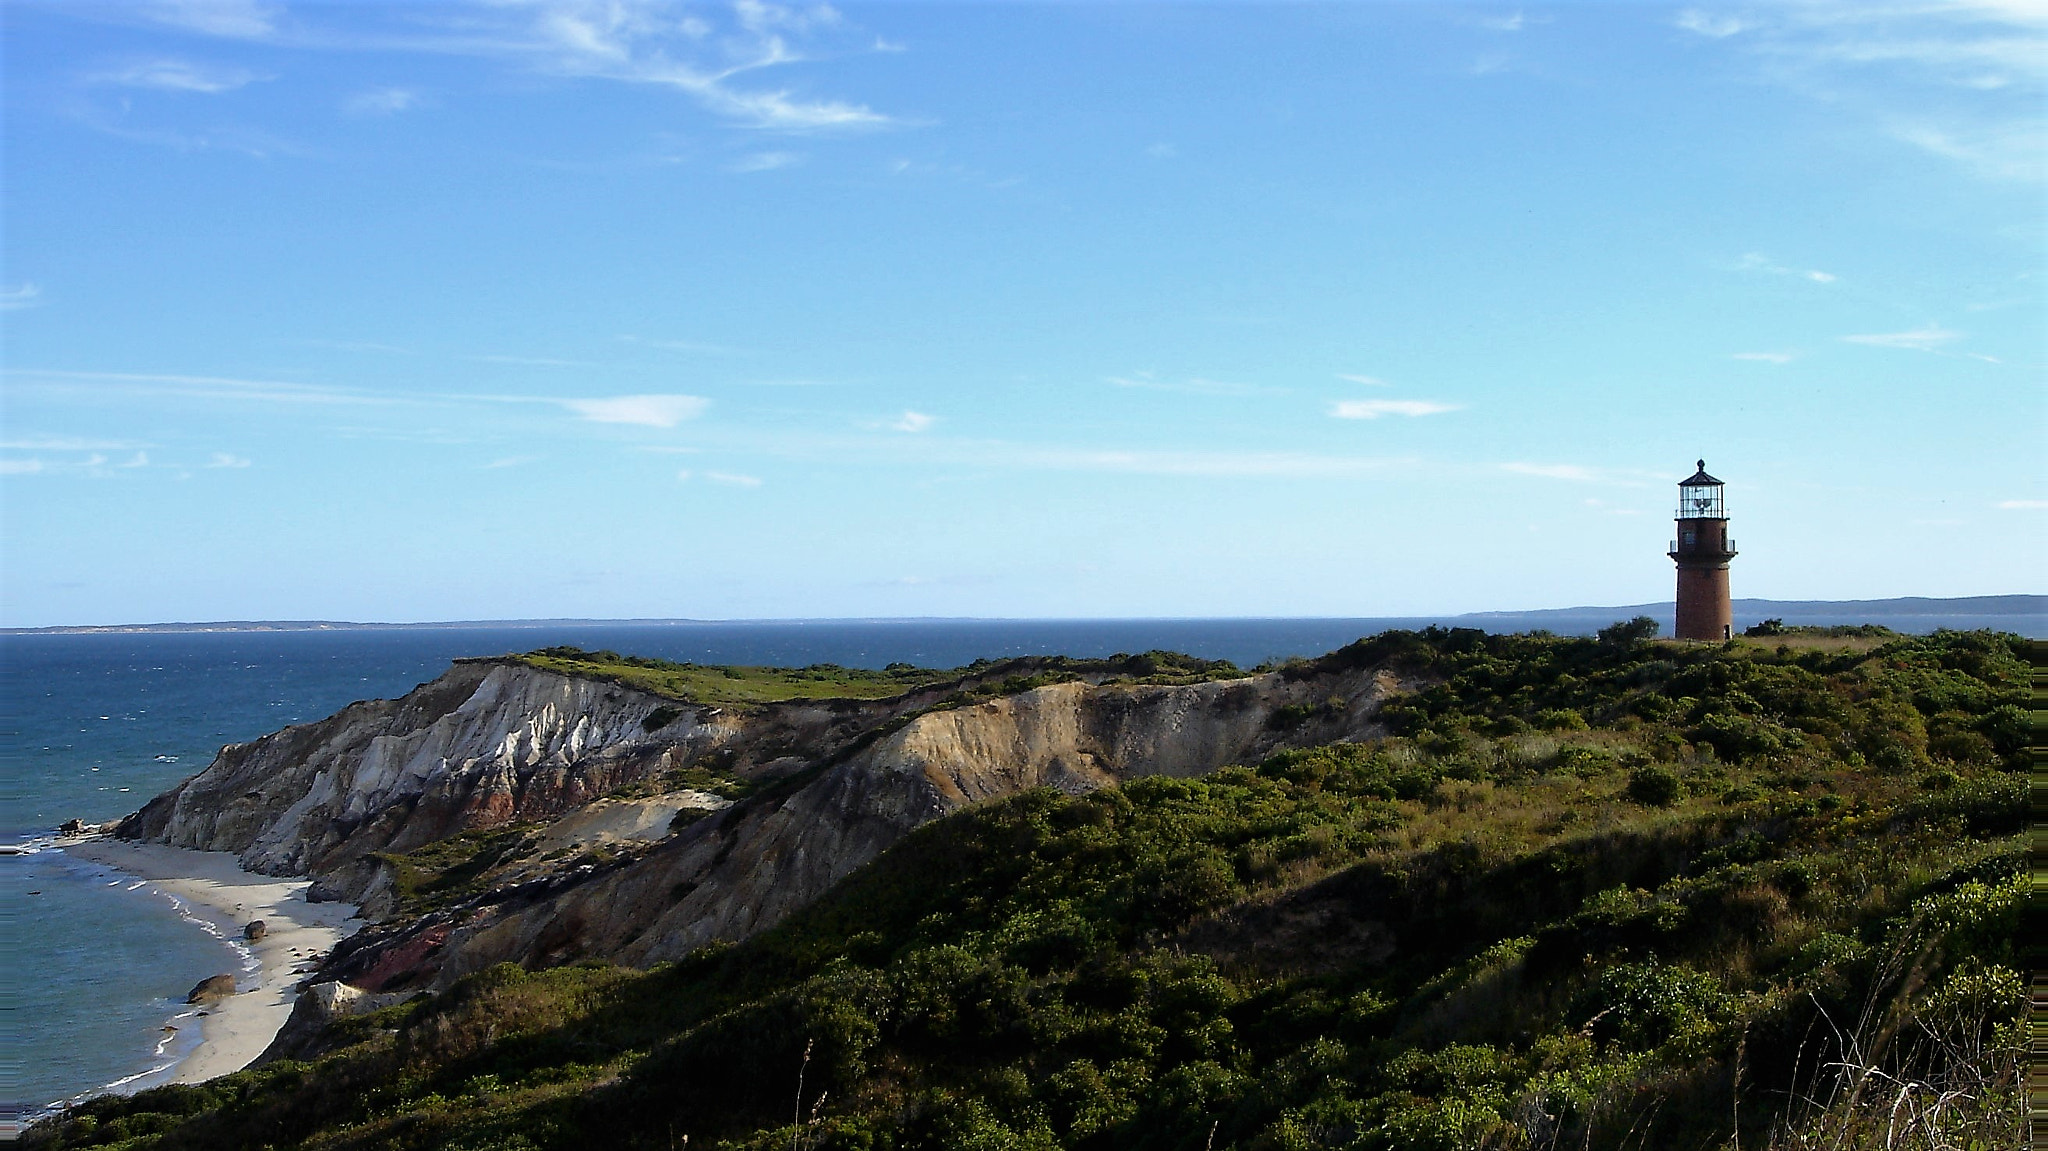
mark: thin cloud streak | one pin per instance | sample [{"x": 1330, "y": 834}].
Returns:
[
  {"x": 648, "y": 410},
  {"x": 1957, "y": 80},
  {"x": 67, "y": 444},
  {"x": 1758, "y": 262},
  {"x": 1374, "y": 409},
  {"x": 1193, "y": 385},
  {"x": 625, "y": 41},
  {"x": 1153, "y": 462},
  {"x": 381, "y": 102},
  {"x": 180, "y": 76},
  {"x": 653, "y": 411},
  {"x": 1927, "y": 339},
  {"x": 233, "y": 19}
]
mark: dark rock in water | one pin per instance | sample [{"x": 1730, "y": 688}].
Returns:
[
  {"x": 212, "y": 989},
  {"x": 255, "y": 931}
]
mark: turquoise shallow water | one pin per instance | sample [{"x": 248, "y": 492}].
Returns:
[{"x": 93, "y": 726}]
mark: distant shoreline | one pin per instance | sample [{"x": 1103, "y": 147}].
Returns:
[{"x": 1876, "y": 609}]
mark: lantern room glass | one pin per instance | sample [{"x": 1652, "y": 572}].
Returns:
[{"x": 1701, "y": 502}]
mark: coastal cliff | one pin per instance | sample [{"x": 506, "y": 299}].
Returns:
[
  {"x": 1449, "y": 890},
  {"x": 824, "y": 786}
]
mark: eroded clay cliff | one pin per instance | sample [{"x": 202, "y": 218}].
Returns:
[{"x": 492, "y": 743}]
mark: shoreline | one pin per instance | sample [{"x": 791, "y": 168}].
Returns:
[{"x": 211, "y": 888}]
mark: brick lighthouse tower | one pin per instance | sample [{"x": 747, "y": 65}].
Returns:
[{"x": 1702, "y": 551}]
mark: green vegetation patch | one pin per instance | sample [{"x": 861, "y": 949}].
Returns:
[
  {"x": 450, "y": 870},
  {"x": 719, "y": 684},
  {"x": 1792, "y": 925}
]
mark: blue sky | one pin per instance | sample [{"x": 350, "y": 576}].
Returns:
[{"x": 614, "y": 309}]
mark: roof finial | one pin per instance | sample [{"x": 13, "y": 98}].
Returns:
[{"x": 1702, "y": 465}]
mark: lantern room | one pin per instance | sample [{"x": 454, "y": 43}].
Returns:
[{"x": 1699, "y": 497}]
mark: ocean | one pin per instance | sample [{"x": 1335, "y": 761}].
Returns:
[{"x": 94, "y": 725}]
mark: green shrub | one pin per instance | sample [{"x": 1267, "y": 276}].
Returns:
[{"x": 1654, "y": 786}]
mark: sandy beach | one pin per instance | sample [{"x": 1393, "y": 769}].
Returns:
[{"x": 215, "y": 890}]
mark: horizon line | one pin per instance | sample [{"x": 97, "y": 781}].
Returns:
[{"x": 553, "y": 621}]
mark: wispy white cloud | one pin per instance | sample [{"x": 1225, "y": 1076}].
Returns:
[
  {"x": 1758, "y": 262},
  {"x": 1161, "y": 151},
  {"x": 235, "y": 19},
  {"x": 138, "y": 460},
  {"x": 759, "y": 16},
  {"x": 180, "y": 76},
  {"x": 532, "y": 361},
  {"x": 1512, "y": 22},
  {"x": 659, "y": 411},
  {"x": 1766, "y": 357},
  {"x": 1192, "y": 385},
  {"x": 2009, "y": 151},
  {"x": 1374, "y": 409},
  {"x": 687, "y": 347},
  {"x": 1368, "y": 381},
  {"x": 639, "y": 43},
  {"x": 356, "y": 346},
  {"x": 20, "y": 467},
  {"x": 1216, "y": 465},
  {"x": 20, "y": 296},
  {"x": 2022, "y": 505},
  {"x": 704, "y": 347},
  {"x": 227, "y": 460},
  {"x": 1927, "y": 339},
  {"x": 1709, "y": 24},
  {"x": 1958, "y": 79},
  {"x": 65, "y": 444},
  {"x": 765, "y": 162},
  {"x": 653, "y": 411},
  {"x": 1574, "y": 472},
  {"x": 650, "y": 42},
  {"x": 913, "y": 422},
  {"x": 237, "y": 138},
  {"x": 206, "y": 387},
  {"x": 381, "y": 102},
  {"x": 733, "y": 479}
]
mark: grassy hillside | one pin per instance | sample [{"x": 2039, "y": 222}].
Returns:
[
  {"x": 739, "y": 685},
  {"x": 1592, "y": 893}
]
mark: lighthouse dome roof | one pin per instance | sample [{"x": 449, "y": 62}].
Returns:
[{"x": 1698, "y": 479}]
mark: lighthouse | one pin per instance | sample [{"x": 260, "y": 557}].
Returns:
[{"x": 1702, "y": 551}]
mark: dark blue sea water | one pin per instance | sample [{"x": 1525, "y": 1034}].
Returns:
[{"x": 94, "y": 725}]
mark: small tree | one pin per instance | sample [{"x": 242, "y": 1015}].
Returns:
[{"x": 1626, "y": 634}]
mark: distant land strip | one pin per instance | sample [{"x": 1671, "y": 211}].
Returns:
[{"x": 1862, "y": 610}]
